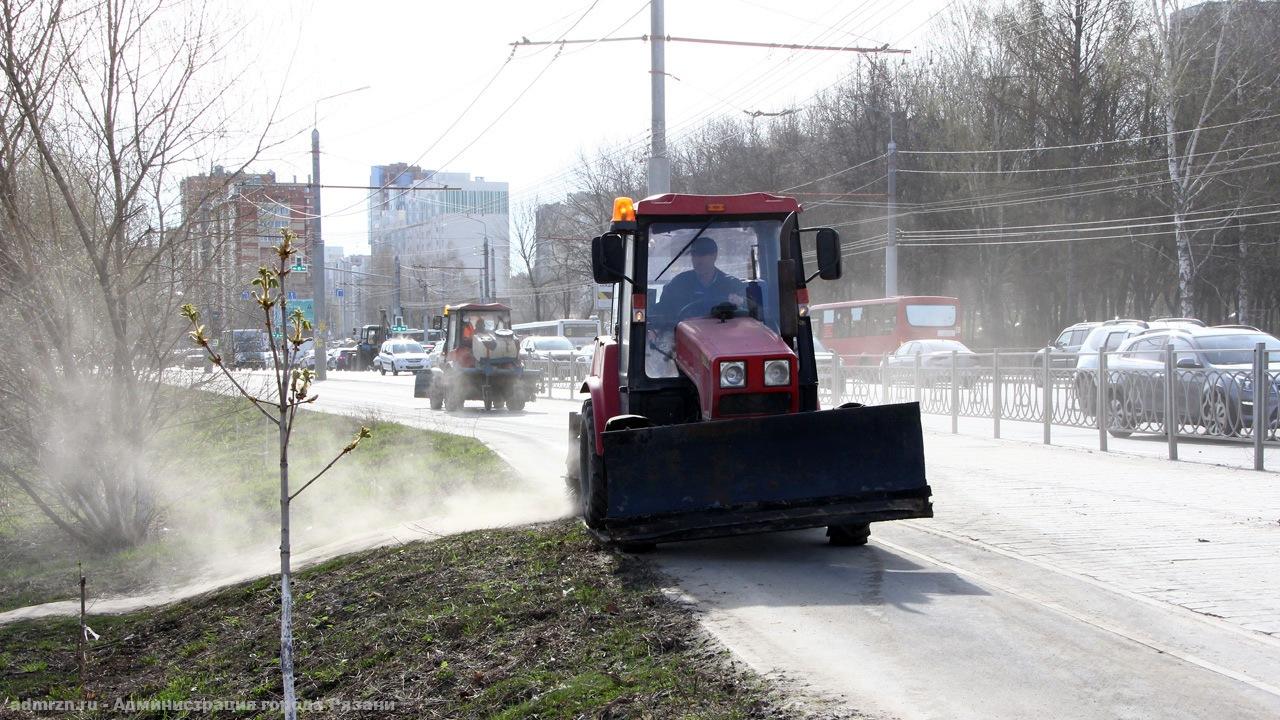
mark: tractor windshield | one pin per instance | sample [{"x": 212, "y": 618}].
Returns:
[{"x": 695, "y": 267}]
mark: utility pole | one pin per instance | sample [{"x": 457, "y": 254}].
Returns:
[
  {"x": 891, "y": 247},
  {"x": 398, "y": 310},
  {"x": 659, "y": 165},
  {"x": 317, "y": 263}
]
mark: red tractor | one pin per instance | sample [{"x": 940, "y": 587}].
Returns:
[{"x": 703, "y": 419}]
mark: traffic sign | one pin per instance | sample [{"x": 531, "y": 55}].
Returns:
[
  {"x": 245, "y": 295},
  {"x": 399, "y": 328},
  {"x": 337, "y": 291},
  {"x": 293, "y": 294}
]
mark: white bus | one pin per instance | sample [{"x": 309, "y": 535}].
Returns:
[{"x": 579, "y": 332}]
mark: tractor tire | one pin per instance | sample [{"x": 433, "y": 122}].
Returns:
[
  {"x": 394, "y": 370},
  {"x": 488, "y": 404},
  {"x": 849, "y": 535},
  {"x": 437, "y": 400},
  {"x": 453, "y": 401},
  {"x": 382, "y": 369},
  {"x": 421, "y": 389},
  {"x": 572, "y": 468},
  {"x": 592, "y": 492},
  {"x": 515, "y": 403}
]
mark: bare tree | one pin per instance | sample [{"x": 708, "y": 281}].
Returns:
[
  {"x": 1209, "y": 79},
  {"x": 102, "y": 107},
  {"x": 524, "y": 232}
]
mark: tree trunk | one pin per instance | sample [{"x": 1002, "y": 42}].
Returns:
[
  {"x": 1186, "y": 265},
  {"x": 286, "y": 596},
  {"x": 1242, "y": 278}
]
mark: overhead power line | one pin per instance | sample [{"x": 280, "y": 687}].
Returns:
[{"x": 884, "y": 49}]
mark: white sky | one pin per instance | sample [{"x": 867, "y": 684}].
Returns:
[{"x": 426, "y": 61}]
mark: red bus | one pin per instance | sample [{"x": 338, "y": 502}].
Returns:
[{"x": 876, "y": 327}]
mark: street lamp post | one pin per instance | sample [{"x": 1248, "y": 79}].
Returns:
[{"x": 319, "y": 305}]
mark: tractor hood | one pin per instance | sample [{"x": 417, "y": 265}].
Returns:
[{"x": 703, "y": 345}]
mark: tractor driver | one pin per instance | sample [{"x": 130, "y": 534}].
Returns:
[{"x": 700, "y": 288}]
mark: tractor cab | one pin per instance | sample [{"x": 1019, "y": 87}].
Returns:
[
  {"x": 369, "y": 339},
  {"x": 480, "y": 360},
  {"x": 479, "y": 331},
  {"x": 703, "y": 418}
]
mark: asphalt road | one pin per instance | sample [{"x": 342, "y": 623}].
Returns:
[
  {"x": 1008, "y": 605},
  {"x": 1054, "y": 582}
]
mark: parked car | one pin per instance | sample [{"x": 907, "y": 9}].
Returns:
[
  {"x": 935, "y": 357},
  {"x": 1214, "y": 383},
  {"x": 400, "y": 355},
  {"x": 1109, "y": 336}
]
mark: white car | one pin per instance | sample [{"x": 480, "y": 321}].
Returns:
[
  {"x": 554, "y": 349},
  {"x": 401, "y": 355}
]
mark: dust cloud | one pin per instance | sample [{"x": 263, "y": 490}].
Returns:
[{"x": 219, "y": 497}]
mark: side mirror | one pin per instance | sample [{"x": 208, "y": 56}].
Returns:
[
  {"x": 608, "y": 258},
  {"x": 829, "y": 267},
  {"x": 437, "y": 322},
  {"x": 1189, "y": 363}
]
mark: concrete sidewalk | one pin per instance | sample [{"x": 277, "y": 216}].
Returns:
[
  {"x": 1229, "y": 453},
  {"x": 1204, "y": 538}
]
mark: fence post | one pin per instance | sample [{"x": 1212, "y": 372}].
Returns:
[
  {"x": 837, "y": 381},
  {"x": 1171, "y": 402},
  {"x": 917, "y": 378},
  {"x": 548, "y": 373},
  {"x": 996, "y": 401},
  {"x": 884, "y": 380},
  {"x": 955, "y": 393},
  {"x": 1046, "y": 401},
  {"x": 1102, "y": 408},
  {"x": 1261, "y": 413}
]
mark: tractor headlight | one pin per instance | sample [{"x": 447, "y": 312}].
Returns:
[
  {"x": 777, "y": 372},
  {"x": 733, "y": 374}
]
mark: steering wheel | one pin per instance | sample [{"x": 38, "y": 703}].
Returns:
[{"x": 704, "y": 305}]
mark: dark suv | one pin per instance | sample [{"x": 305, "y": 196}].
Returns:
[
  {"x": 1214, "y": 383},
  {"x": 1062, "y": 351}
]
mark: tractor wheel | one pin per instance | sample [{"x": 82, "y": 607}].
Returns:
[
  {"x": 849, "y": 535},
  {"x": 572, "y": 469},
  {"x": 591, "y": 466},
  {"x": 437, "y": 400},
  {"x": 394, "y": 370},
  {"x": 383, "y": 369},
  {"x": 515, "y": 403},
  {"x": 453, "y": 401}
]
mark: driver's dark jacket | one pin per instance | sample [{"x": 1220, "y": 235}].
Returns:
[{"x": 685, "y": 288}]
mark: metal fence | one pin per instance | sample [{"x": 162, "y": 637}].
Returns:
[
  {"x": 559, "y": 379},
  {"x": 1175, "y": 394}
]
